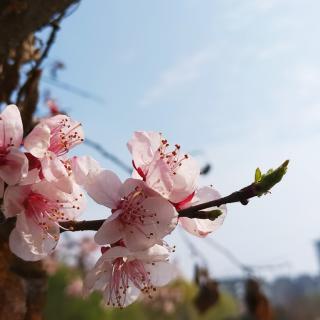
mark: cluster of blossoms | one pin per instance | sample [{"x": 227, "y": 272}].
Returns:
[
  {"x": 37, "y": 181},
  {"x": 41, "y": 187}
]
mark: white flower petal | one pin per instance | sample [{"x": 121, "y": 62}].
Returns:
[
  {"x": 28, "y": 240},
  {"x": 104, "y": 189},
  {"x": 37, "y": 141},
  {"x": 11, "y": 130},
  {"x": 110, "y": 232},
  {"x": 15, "y": 167},
  {"x": 202, "y": 227},
  {"x": 161, "y": 273}
]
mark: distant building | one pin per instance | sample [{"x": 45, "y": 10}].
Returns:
[{"x": 281, "y": 291}]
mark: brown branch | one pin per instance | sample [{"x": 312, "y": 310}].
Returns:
[
  {"x": 96, "y": 224},
  {"x": 256, "y": 189},
  {"x": 30, "y": 100},
  {"x": 241, "y": 196},
  {"x": 83, "y": 225},
  {"x": 28, "y": 94},
  {"x": 192, "y": 212},
  {"x": 55, "y": 28}
]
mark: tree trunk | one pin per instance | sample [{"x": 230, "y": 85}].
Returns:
[{"x": 22, "y": 284}]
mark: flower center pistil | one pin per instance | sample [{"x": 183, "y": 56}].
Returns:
[{"x": 64, "y": 136}]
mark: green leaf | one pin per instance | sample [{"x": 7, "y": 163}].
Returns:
[
  {"x": 271, "y": 178},
  {"x": 257, "y": 175}
]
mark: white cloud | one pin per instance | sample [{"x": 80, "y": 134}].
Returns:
[{"x": 185, "y": 71}]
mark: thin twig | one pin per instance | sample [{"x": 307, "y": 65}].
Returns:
[
  {"x": 255, "y": 189},
  {"x": 55, "y": 28},
  {"x": 191, "y": 212},
  {"x": 83, "y": 225},
  {"x": 229, "y": 255},
  {"x": 241, "y": 196},
  {"x": 52, "y": 37},
  {"x": 247, "y": 269}
]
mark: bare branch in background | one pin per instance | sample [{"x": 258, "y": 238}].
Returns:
[
  {"x": 229, "y": 255},
  {"x": 88, "y": 95},
  {"x": 55, "y": 27},
  {"x": 248, "y": 270},
  {"x": 106, "y": 154},
  {"x": 28, "y": 94},
  {"x": 74, "y": 90}
]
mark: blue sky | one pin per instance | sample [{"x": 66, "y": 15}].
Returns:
[{"x": 237, "y": 80}]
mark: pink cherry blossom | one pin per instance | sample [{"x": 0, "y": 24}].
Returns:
[
  {"x": 13, "y": 163},
  {"x": 122, "y": 275},
  {"x": 50, "y": 140},
  {"x": 167, "y": 170},
  {"x": 202, "y": 227},
  {"x": 140, "y": 216},
  {"x": 35, "y": 174},
  {"x": 39, "y": 208}
]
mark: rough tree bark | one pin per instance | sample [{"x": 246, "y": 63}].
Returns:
[
  {"x": 22, "y": 284},
  {"x": 20, "y": 18}
]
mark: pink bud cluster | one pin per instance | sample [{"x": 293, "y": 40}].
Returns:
[{"x": 42, "y": 187}]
